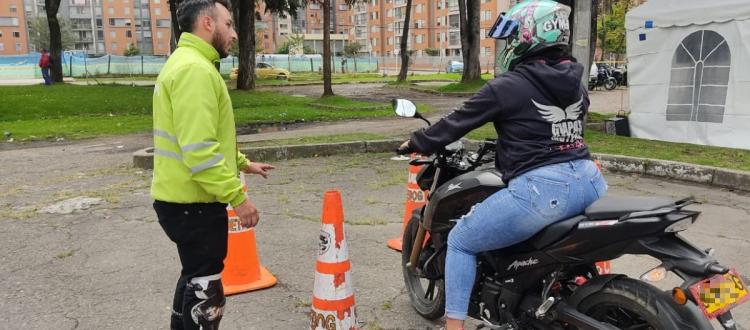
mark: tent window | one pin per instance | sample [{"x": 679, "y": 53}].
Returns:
[{"x": 699, "y": 78}]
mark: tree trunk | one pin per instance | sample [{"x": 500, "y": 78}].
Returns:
[
  {"x": 470, "y": 40},
  {"x": 327, "y": 88},
  {"x": 175, "y": 36},
  {"x": 404, "y": 39},
  {"x": 55, "y": 42},
  {"x": 246, "y": 36},
  {"x": 592, "y": 38}
]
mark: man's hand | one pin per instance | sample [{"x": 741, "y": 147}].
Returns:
[
  {"x": 248, "y": 214},
  {"x": 258, "y": 168}
]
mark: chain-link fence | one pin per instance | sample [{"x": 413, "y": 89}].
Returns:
[{"x": 79, "y": 65}]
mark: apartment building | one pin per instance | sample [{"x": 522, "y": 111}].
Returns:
[
  {"x": 13, "y": 35},
  {"x": 377, "y": 25},
  {"x": 111, "y": 26}
]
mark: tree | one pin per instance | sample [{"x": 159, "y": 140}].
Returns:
[
  {"x": 132, "y": 50},
  {"x": 245, "y": 15},
  {"x": 468, "y": 11},
  {"x": 432, "y": 51},
  {"x": 402, "y": 49},
  {"x": 611, "y": 28},
  {"x": 246, "y": 36},
  {"x": 39, "y": 33},
  {"x": 327, "y": 85},
  {"x": 295, "y": 42},
  {"x": 55, "y": 39},
  {"x": 175, "y": 35}
]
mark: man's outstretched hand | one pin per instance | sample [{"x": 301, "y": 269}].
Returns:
[{"x": 258, "y": 168}]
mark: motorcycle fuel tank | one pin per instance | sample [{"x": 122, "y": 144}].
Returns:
[{"x": 455, "y": 198}]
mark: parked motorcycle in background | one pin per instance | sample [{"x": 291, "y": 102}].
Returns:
[{"x": 600, "y": 76}]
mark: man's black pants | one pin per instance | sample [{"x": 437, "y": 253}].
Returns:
[{"x": 200, "y": 232}]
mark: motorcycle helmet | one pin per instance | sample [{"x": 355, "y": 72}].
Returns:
[{"x": 530, "y": 27}]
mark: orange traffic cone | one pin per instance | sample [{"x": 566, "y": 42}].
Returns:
[
  {"x": 333, "y": 293},
  {"x": 242, "y": 269},
  {"x": 415, "y": 198}
]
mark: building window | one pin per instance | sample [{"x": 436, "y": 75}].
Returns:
[
  {"x": 343, "y": 7},
  {"x": 159, "y": 34},
  {"x": 419, "y": 38},
  {"x": 16, "y": 34},
  {"x": 157, "y": 11},
  {"x": 18, "y": 47},
  {"x": 419, "y": 8},
  {"x": 129, "y": 34},
  {"x": 111, "y": 10},
  {"x": 8, "y": 21},
  {"x": 13, "y": 8},
  {"x": 2, "y": 46},
  {"x": 114, "y": 46},
  {"x": 127, "y": 10},
  {"x": 699, "y": 78},
  {"x": 113, "y": 34},
  {"x": 157, "y": 1},
  {"x": 163, "y": 23}
]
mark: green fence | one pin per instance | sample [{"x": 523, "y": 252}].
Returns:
[{"x": 78, "y": 65}]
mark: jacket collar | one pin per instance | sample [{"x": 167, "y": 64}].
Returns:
[{"x": 205, "y": 49}]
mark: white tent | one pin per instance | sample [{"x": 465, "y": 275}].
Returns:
[{"x": 689, "y": 71}]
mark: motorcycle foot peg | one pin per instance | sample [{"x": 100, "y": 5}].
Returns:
[{"x": 544, "y": 307}]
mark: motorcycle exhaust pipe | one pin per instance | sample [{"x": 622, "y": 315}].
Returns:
[{"x": 416, "y": 248}]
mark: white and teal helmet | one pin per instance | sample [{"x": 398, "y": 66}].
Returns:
[{"x": 529, "y": 27}]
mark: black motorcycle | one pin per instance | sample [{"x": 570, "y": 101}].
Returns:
[
  {"x": 550, "y": 281},
  {"x": 603, "y": 78}
]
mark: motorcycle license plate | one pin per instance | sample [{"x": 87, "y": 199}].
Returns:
[{"x": 720, "y": 293}]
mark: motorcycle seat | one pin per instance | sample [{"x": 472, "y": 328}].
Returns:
[{"x": 613, "y": 207}]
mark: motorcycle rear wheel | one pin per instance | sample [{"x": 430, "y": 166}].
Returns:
[
  {"x": 631, "y": 304},
  {"x": 427, "y": 296}
]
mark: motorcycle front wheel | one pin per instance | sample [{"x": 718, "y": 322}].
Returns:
[
  {"x": 610, "y": 84},
  {"x": 427, "y": 296}
]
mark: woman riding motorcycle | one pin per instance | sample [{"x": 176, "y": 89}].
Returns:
[{"x": 537, "y": 107}]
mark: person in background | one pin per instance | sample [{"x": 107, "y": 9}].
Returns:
[{"x": 44, "y": 64}]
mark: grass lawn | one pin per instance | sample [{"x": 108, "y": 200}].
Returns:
[
  {"x": 74, "y": 112},
  {"x": 599, "y": 142}
]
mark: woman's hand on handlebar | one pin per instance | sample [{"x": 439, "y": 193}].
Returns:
[{"x": 404, "y": 149}]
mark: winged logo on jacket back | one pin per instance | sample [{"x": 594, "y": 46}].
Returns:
[{"x": 567, "y": 124}]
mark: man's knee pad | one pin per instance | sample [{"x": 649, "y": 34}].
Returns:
[{"x": 208, "y": 312}]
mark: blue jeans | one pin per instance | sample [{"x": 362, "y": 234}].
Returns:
[
  {"x": 531, "y": 202},
  {"x": 45, "y": 75}
]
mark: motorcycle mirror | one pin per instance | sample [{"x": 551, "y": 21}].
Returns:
[{"x": 404, "y": 108}]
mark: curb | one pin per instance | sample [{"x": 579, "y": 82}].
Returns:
[{"x": 707, "y": 175}]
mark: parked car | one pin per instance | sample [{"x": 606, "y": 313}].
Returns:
[
  {"x": 264, "y": 71},
  {"x": 455, "y": 66}
]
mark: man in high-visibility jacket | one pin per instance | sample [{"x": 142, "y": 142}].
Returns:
[{"x": 196, "y": 161}]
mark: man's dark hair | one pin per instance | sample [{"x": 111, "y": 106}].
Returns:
[{"x": 189, "y": 10}]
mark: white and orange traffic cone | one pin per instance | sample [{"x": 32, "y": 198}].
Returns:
[
  {"x": 242, "y": 269},
  {"x": 333, "y": 294},
  {"x": 415, "y": 198}
]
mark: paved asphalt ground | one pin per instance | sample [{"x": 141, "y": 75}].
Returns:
[{"x": 111, "y": 266}]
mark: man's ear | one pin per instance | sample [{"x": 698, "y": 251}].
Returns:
[{"x": 207, "y": 23}]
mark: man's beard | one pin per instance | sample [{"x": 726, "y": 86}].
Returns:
[{"x": 219, "y": 45}]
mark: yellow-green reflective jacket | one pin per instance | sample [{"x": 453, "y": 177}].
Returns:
[{"x": 195, "y": 144}]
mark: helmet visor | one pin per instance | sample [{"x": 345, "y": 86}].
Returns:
[{"x": 503, "y": 28}]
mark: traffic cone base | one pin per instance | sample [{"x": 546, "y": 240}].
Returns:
[
  {"x": 396, "y": 243},
  {"x": 266, "y": 280}
]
